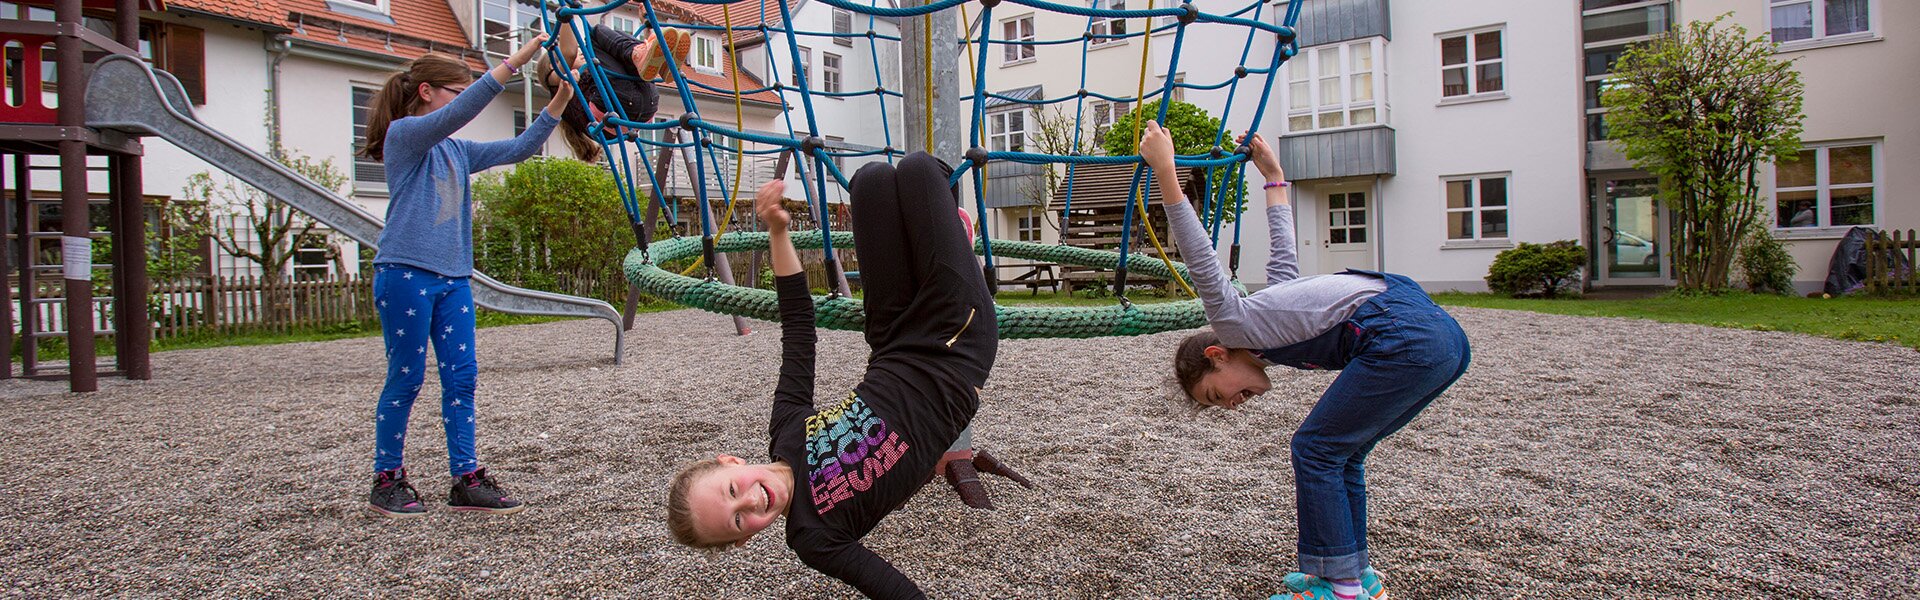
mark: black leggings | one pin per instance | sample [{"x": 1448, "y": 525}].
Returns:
[{"x": 926, "y": 297}]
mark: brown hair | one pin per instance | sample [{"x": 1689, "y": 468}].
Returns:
[
  {"x": 398, "y": 97},
  {"x": 573, "y": 119},
  {"x": 680, "y": 510},
  {"x": 1190, "y": 361}
]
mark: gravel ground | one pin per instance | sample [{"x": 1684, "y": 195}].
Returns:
[{"x": 1578, "y": 457}]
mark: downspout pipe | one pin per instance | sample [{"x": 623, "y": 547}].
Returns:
[{"x": 278, "y": 47}]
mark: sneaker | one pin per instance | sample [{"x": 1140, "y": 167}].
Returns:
[
  {"x": 654, "y": 56},
  {"x": 477, "y": 491},
  {"x": 393, "y": 497},
  {"x": 1371, "y": 585}
]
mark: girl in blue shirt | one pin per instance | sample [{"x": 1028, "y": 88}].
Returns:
[{"x": 426, "y": 255}]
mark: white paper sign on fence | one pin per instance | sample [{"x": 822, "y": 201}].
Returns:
[{"x": 76, "y": 253}]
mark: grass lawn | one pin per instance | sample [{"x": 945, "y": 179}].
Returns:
[{"x": 1895, "y": 320}]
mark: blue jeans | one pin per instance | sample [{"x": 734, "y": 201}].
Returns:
[
  {"x": 420, "y": 308},
  {"x": 1404, "y": 351}
]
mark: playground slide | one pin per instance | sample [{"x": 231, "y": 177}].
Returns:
[{"x": 125, "y": 93}]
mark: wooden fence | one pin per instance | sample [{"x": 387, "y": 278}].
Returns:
[
  {"x": 230, "y": 305},
  {"x": 1891, "y": 262}
]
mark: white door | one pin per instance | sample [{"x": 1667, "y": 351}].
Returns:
[{"x": 1346, "y": 235}]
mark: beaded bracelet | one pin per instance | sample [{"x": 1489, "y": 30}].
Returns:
[{"x": 1274, "y": 184}]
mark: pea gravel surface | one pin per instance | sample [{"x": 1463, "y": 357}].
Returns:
[{"x": 1578, "y": 457}]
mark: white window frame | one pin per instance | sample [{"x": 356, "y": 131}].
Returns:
[
  {"x": 621, "y": 23},
  {"x": 1476, "y": 208},
  {"x": 830, "y": 72},
  {"x": 1823, "y": 189},
  {"x": 706, "y": 54},
  {"x": 1473, "y": 65},
  {"x": 379, "y": 5},
  {"x": 1304, "y": 72},
  {"x": 806, "y": 64},
  {"x": 1022, "y": 28},
  {"x": 839, "y": 13},
  {"x": 1105, "y": 114},
  {"x": 1820, "y": 37},
  {"x": 1026, "y": 228},
  {"x": 357, "y": 138},
  {"x": 1101, "y": 26},
  {"x": 1000, "y": 133}
]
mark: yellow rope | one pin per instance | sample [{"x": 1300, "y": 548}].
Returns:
[
  {"x": 928, "y": 71},
  {"x": 739, "y": 124},
  {"x": 1141, "y": 91}
]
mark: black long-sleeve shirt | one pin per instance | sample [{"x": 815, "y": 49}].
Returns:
[{"x": 864, "y": 456}]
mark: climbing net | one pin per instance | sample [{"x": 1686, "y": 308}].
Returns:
[{"x": 709, "y": 142}]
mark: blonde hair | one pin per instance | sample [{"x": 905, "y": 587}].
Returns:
[{"x": 680, "y": 509}]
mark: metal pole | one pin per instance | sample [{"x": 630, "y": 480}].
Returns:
[
  {"x": 946, "y": 83},
  {"x": 6, "y": 291},
  {"x": 75, "y": 229}
]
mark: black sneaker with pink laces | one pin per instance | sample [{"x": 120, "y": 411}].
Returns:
[
  {"x": 393, "y": 497},
  {"x": 477, "y": 491}
]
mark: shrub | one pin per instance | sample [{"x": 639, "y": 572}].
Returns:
[
  {"x": 1543, "y": 269},
  {"x": 1765, "y": 263}
]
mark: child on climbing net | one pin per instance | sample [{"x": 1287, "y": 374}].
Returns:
[
  {"x": 420, "y": 281},
  {"x": 1396, "y": 350},
  {"x": 633, "y": 63},
  {"x": 836, "y": 471}
]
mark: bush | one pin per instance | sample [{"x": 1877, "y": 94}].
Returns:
[
  {"x": 1542, "y": 269},
  {"x": 1765, "y": 264},
  {"x": 548, "y": 217}
]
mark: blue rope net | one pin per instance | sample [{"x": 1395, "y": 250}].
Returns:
[{"x": 710, "y": 141}]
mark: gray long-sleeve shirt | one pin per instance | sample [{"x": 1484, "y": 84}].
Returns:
[{"x": 1290, "y": 309}]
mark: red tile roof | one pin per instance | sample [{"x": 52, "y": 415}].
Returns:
[
  {"x": 431, "y": 20},
  {"x": 266, "y": 12}
]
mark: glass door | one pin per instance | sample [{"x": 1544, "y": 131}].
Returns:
[{"x": 1630, "y": 239}]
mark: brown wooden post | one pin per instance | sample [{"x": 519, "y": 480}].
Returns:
[
  {"x": 75, "y": 230},
  {"x": 132, "y": 288},
  {"x": 6, "y": 294},
  {"x": 24, "y": 226}
]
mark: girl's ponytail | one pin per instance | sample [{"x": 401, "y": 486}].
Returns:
[{"x": 397, "y": 99}]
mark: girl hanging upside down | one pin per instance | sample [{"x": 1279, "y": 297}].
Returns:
[
  {"x": 836, "y": 471},
  {"x": 1396, "y": 350},
  {"x": 633, "y": 63}
]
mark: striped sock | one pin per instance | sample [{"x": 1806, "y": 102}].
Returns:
[{"x": 1345, "y": 589}]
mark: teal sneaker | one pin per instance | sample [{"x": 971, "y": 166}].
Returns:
[{"x": 1371, "y": 584}]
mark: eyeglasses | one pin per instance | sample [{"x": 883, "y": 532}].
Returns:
[{"x": 456, "y": 91}]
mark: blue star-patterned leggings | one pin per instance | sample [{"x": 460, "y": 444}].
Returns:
[{"x": 418, "y": 309}]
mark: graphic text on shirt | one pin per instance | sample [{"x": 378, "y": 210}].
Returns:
[{"x": 848, "y": 448}]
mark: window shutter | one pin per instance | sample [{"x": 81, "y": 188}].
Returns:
[{"x": 186, "y": 60}]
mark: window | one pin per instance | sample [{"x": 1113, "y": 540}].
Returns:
[
  {"x": 1108, "y": 31},
  {"x": 1807, "y": 20},
  {"x": 1177, "y": 93},
  {"x": 706, "y": 53},
  {"x": 519, "y": 122},
  {"x": 1105, "y": 114},
  {"x": 176, "y": 49},
  {"x": 368, "y": 174},
  {"x": 506, "y": 23},
  {"x": 836, "y": 144},
  {"x": 1472, "y": 64},
  {"x": 313, "y": 256},
  {"x": 377, "y": 5},
  {"x": 1610, "y": 27},
  {"x": 1007, "y": 131},
  {"x": 1476, "y": 207},
  {"x": 1027, "y": 227},
  {"x": 829, "y": 72},
  {"x": 622, "y": 24},
  {"x": 1017, "y": 29},
  {"x": 1347, "y": 218},
  {"x": 1831, "y": 185},
  {"x": 1336, "y": 86},
  {"x": 842, "y": 24},
  {"x": 806, "y": 62}
]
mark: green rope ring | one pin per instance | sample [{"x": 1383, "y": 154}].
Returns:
[{"x": 849, "y": 314}]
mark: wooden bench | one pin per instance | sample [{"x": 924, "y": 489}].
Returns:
[{"x": 1036, "y": 276}]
